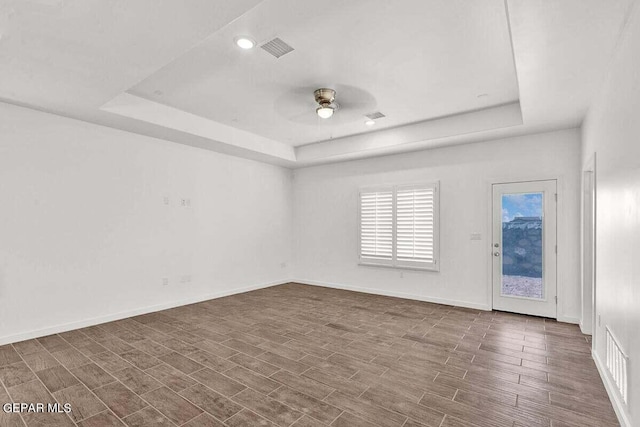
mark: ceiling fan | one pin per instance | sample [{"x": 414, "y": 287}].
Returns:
[
  {"x": 313, "y": 105},
  {"x": 326, "y": 102}
]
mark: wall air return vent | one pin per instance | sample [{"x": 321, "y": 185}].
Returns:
[
  {"x": 617, "y": 364},
  {"x": 276, "y": 47},
  {"x": 375, "y": 116}
]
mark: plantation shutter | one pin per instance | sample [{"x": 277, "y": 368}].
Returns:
[
  {"x": 376, "y": 225},
  {"x": 415, "y": 225}
]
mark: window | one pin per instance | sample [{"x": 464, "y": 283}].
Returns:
[
  {"x": 399, "y": 226},
  {"x": 376, "y": 225}
]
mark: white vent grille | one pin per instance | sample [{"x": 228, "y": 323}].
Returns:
[
  {"x": 375, "y": 116},
  {"x": 617, "y": 364},
  {"x": 277, "y": 47}
]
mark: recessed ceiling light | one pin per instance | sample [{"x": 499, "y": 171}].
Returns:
[
  {"x": 370, "y": 122},
  {"x": 324, "y": 112},
  {"x": 244, "y": 42}
]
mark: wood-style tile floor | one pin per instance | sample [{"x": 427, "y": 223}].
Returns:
[{"x": 296, "y": 355}]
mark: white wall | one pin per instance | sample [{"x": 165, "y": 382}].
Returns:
[
  {"x": 326, "y": 223},
  {"x": 85, "y": 235},
  {"x": 612, "y": 131}
]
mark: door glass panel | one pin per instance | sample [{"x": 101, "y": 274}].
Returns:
[{"x": 522, "y": 257}]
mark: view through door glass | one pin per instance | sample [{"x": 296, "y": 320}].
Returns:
[{"x": 522, "y": 245}]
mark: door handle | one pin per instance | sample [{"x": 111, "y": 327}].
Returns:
[{"x": 496, "y": 253}]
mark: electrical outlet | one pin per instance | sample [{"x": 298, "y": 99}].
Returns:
[
  {"x": 476, "y": 236},
  {"x": 165, "y": 281},
  {"x": 283, "y": 265},
  {"x": 183, "y": 202},
  {"x": 166, "y": 200}
]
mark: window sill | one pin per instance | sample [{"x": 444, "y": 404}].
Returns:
[{"x": 398, "y": 267}]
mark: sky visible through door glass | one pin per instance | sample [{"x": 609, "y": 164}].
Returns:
[{"x": 524, "y": 204}]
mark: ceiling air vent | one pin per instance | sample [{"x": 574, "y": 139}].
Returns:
[
  {"x": 277, "y": 47},
  {"x": 375, "y": 116}
]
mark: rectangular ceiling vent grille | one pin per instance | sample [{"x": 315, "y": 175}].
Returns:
[
  {"x": 617, "y": 364},
  {"x": 277, "y": 47},
  {"x": 375, "y": 116}
]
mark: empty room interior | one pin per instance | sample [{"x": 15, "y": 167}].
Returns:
[{"x": 339, "y": 213}]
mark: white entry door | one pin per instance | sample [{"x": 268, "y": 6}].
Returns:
[{"x": 524, "y": 247}]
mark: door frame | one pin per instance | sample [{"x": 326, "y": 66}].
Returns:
[
  {"x": 589, "y": 167},
  {"x": 547, "y": 305},
  {"x": 560, "y": 234}
]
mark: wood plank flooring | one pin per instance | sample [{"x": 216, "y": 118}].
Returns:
[{"x": 296, "y": 355}]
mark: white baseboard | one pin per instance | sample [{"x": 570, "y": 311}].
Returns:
[
  {"x": 457, "y": 303},
  {"x": 585, "y": 328},
  {"x": 568, "y": 319},
  {"x": 150, "y": 309},
  {"x": 618, "y": 406},
  {"x": 8, "y": 339}
]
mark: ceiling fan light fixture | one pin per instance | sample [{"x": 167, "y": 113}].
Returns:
[
  {"x": 245, "y": 42},
  {"x": 325, "y": 97},
  {"x": 324, "y": 112}
]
